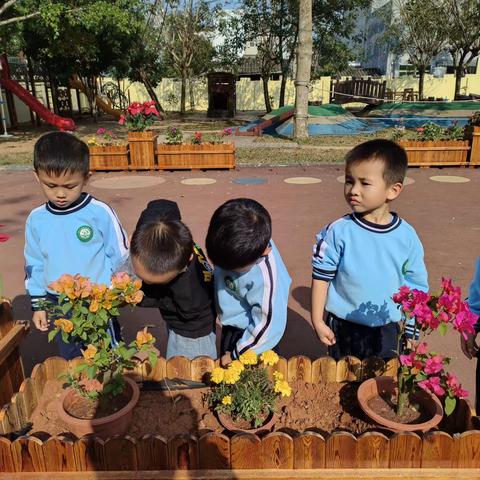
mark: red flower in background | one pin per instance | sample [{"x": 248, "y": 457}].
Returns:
[{"x": 3, "y": 236}]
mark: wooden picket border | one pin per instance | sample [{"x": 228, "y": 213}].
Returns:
[
  {"x": 212, "y": 455},
  {"x": 436, "y": 153}
]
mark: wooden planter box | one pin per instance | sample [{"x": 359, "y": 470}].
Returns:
[
  {"x": 203, "y": 156},
  {"x": 142, "y": 150},
  {"x": 113, "y": 157},
  {"x": 292, "y": 455},
  {"x": 473, "y": 135},
  {"x": 438, "y": 153}
]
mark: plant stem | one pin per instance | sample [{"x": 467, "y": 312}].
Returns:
[{"x": 402, "y": 396}]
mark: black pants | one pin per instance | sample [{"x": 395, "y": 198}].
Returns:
[
  {"x": 362, "y": 341},
  {"x": 477, "y": 386},
  {"x": 230, "y": 337}
]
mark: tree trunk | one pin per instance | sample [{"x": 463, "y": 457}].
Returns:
[
  {"x": 283, "y": 84},
  {"x": 151, "y": 91},
  {"x": 191, "y": 93},
  {"x": 183, "y": 93},
  {"x": 266, "y": 95},
  {"x": 458, "y": 80},
  {"x": 304, "y": 65},
  {"x": 421, "y": 81}
]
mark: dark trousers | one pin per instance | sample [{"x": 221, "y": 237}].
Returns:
[
  {"x": 229, "y": 338},
  {"x": 477, "y": 386},
  {"x": 362, "y": 341},
  {"x": 74, "y": 348}
]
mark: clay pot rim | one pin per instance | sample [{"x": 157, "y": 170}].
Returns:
[
  {"x": 225, "y": 421},
  {"x": 66, "y": 417},
  {"x": 363, "y": 399}
]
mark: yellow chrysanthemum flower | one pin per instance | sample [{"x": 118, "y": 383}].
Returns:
[
  {"x": 269, "y": 357},
  {"x": 231, "y": 376},
  {"x": 249, "y": 358},
  {"x": 217, "y": 375},
  {"x": 237, "y": 365},
  {"x": 278, "y": 375},
  {"x": 227, "y": 400},
  {"x": 282, "y": 387}
]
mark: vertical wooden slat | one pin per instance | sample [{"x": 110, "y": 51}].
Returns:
[
  {"x": 178, "y": 367},
  {"x": 372, "y": 367},
  {"x": 120, "y": 454},
  {"x": 468, "y": 449},
  {"x": 214, "y": 451},
  {"x": 391, "y": 367},
  {"x": 200, "y": 367},
  {"x": 309, "y": 450},
  {"x": 277, "y": 450},
  {"x": 183, "y": 452},
  {"x": 54, "y": 367},
  {"x": 152, "y": 453},
  {"x": 13, "y": 417},
  {"x": 29, "y": 396},
  {"x": 246, "y": 451},
  {"x": 341, "y": 451},
  {"x": 405, "y": 450},
  {"x": 299, "y": 368},
  {"x": 59, "y": 454},
  {"x": 89, "y": 454},
  {"x": 6, "y": 387},
  {"x": 39, "y": 378},
  {"x": 437, "y": 450},
  {"x": 5, "y": 425},
  {"x": 27, "y": 455},
  {"x": 324, "y": 369},
  {"x": 19, "y": 403},
  {"x": 372, "y": 450},
  {"x": 348, "y": 369},
  {"x": 6, "y": 458}
]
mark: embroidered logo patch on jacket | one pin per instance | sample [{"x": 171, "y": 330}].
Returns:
[{"x": 85, "y": 233}]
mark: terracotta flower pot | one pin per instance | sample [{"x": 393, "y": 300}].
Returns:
[
  {"x": 115, "y": 424},
  {"x": 227, "y": 422},
  {"x": 386, "y": 386}
]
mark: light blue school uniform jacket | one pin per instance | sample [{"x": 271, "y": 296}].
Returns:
[
  {"x": 255, "y": 301},
  {"x": 474, "y": 294},
  {"x": 366, "y": 264},
  {"x": 85, "y": 238}
]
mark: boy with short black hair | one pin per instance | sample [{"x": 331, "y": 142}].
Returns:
[
  {"x": 360, "y": 260},
  {"x": 73, "y": 233},
  {"x": 251, "y": 280},
  {"x": 177, "y": 279}
]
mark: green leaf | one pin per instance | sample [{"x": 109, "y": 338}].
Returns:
[
  {"x": 152, "y": 358},
  {"x": 51, "y": 334},
  {"x": 450, "y": 403},
  {"x": 443, "y": 329},
  {"x": 66, "y": 308}
]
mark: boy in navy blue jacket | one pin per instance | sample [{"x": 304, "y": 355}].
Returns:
[
  {"x": 251, "y": 280},
  {"x": 72, "y": 233},
  {"x": 360, "y": 260}
]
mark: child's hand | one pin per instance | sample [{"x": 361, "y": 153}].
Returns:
[
  {"x": 40, "y": 321},
  {"x": 226, "y": 359},
  {"x": 469, "y": 346},
  {"x": 325, "y": 334}
]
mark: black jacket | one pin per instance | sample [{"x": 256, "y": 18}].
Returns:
[{"x": 186, "y": 303}]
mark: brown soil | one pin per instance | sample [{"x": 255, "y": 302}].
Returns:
[
  {"x": 386, "y": 407},
  {"x": 323, "y": 407},
  {"x": 81, "y": 407}
]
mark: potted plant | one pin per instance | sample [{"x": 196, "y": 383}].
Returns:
[
  {"x": 411, "y": 401},
  {"x": 138, "y": 118},
  {"x": 100, "y": 398},
  {"x": 436, "y": 145},
  {"x": 107, "y": 152},
  {"x": 243, "y": 395},
  {"x": 200, "y": 152}
]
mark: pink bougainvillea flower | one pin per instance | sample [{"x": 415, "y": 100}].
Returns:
[
  {"x": 101, "y": 131},
  {"x": 421, "y": 348},
  {"x": 432, "y": 384},
  {"x": 402, "y": 294},
  {"x": 465, "y": 321},
  {"x": 455, "y": 387},
  {"x": 434, "y": 365},
  {"x": 121, "y": 120}
]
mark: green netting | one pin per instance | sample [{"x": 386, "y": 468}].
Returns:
[{"x": 327, "y": 110}]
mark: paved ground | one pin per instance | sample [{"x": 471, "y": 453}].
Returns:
[{"x": 446, "y": 216}]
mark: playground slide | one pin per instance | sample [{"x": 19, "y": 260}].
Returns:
[
  {"x": 101, "y": 104},
  {"x": 34, "y": 104}
]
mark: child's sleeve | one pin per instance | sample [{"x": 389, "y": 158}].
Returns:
[
  {"x": 34, "y": 267},
  {"x": 416, "y": 277},
  {"x": 474, "y": 294},
  {"x": 326, "y": 255},
  {"x": 115, "y": 239}
]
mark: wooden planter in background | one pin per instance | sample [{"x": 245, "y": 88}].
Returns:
[
  {"x": 203, "y": 156},
  {"x": 113, "y": 157},
  {"x": 436, "y": 153},
  {"x": 142, "y": 150},
  {"x": 473, "y": 135}
]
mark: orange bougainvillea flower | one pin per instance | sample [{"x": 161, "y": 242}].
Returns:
[
  {"x": 83, "y": 287},
  {"x": 90, "y": 352},
  {"x": 143, "y": 337},
  {"x": 64, "y": 282},
  {"x": 121, "y": 280},
  {"x": 98, "y": 290},
  {"x": 94, "y": 306},
  {"x": 134, "y": 298},
  {"x": 64, "y": 324}
]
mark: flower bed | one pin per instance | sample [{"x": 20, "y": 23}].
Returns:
[
  {"x": 112, "y": 157},
  {"x": 436, "y": 153},
  {"x": 277, "y": 454}
]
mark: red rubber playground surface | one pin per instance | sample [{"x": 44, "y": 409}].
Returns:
[{"x": 445, "y": 213}]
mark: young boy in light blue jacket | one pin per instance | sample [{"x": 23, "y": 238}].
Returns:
[
  {"x": 72, "y": 233},
  {"x": 251, "y": 281}
]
